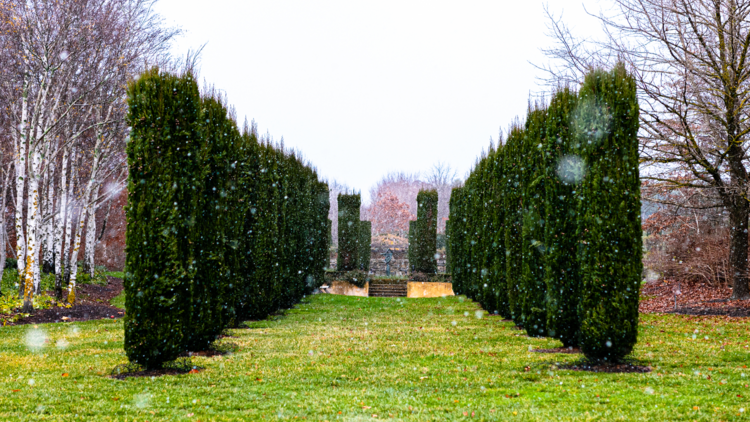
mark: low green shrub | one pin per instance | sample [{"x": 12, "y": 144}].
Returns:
[
  {"x": 431, "y": 278},
  {"x": 356, "y": 277}
]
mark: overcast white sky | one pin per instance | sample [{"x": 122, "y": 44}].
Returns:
[{"x": 363, "y": 88}]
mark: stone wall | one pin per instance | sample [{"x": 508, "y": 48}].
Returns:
[{"x": 399, "y": 265}]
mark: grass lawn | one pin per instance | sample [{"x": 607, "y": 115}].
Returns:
[{"x": 346, "y": 358}]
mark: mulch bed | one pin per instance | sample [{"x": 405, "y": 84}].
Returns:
[
  {"x": 92, "y": 303},
  {"x": 621, "y": 368},
  {"x": 204, "y": 353},
  {"x": 566, "y": 350},
  {"x": 694, "y": 299},
  {"x": 153, "y": 373}
]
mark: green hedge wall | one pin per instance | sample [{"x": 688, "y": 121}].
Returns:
[
  {"x": 365, "y": 245},
  {"x": 423, "y": 234},
  {"x": 221, "y": 227},
  {"x": 164, "y": 186},
  {"x": 349, "y": 229},
  {"x": 561, "y": 231},
  {"x": 533, "y": 288},
  {"x": 610, "y": 214},
  {"x": 547, "y": 230},
  {"x": 512, "y": 183}
]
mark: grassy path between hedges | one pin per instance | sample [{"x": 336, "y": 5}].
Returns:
[{"x": 344, "y": 358}]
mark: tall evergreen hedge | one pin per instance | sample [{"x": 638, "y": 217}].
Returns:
[
  {"x": 215, "y": 244},
  {"x": 561, "y": 230},
  {"x": 423, "y": 234},
  {"x": 349, "y": 229},
  {"x": 448, "y": 252},
  {"x": 606, "y": 123},
  {"x": 512, "y": 185},
  {"x": 222, "y": 226},
  {"x": 165, "y": 184},
  {"x": 365, "y": 245},
  {"x": 557, "y": 206},
  {"x": 533, "y": 288}
]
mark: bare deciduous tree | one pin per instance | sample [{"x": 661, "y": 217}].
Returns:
[
  {"x": 691, "y": 61},
  {"x": 65, "y": 66}
]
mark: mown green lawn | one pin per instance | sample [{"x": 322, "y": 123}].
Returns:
[{"x": 344, "y": 358}]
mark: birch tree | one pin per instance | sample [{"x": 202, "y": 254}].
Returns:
[
  {"x": 64, "y": 81},
  {"x": 692, "y": 66}
]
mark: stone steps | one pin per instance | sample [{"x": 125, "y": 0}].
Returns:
[{"x": 387, "y": 290}]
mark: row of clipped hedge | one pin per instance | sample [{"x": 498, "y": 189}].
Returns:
[
  {"x": 423, "y": 234},
  {"x": 355, "y": 236},
  {"x": 221, "y": 227},
  {"x": 547, "y": 228}
]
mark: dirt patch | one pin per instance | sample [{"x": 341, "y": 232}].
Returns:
[
  {"x": 565, "y": 350},
  {"x": 152, "y": 373},
  {"x": 622, "y": 368},
  {"x": 101, "y": 294},
  {"x": 78, "y": 312},
  {"x": 92, "y": 303},
  {"x": 691, "y": 299},
  {"x": 205, "y": 353},
  {"x": 730, "y": 311}
]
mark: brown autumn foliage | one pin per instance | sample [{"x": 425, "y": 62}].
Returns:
[{"x": 688, "y": 242}]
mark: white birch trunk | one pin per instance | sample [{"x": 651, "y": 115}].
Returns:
[
  {"x": 90, "y": 242},
  {"x": 3, "y": 233},
  {"x": 85, "y": 211},
  {"x": 49, "y": 224},
  {"x": 60, "y": 221},
  {"x": 20, "y": 168},
  {"x": 33, "y": 276},
  {"x": 32, "y": 216}
]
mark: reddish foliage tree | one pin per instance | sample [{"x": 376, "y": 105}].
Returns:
[{"x": 389, "y": 215}]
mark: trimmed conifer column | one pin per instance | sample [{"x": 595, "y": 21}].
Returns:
[
  {"x": 349, "y": 229},
  {"x": 513, "y": 199},
  {"x": 564, "y": 174},
  {"x": 426, "y": 232},
  {"x": 610, "y": 206},
  {"x": 365, "y": 245},
  {"x": 533, "y": 287},
  {"x": 165, "y": 173}
]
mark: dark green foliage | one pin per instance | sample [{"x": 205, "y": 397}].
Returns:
[
  {"x": 412, "y": 252},
  {"x": 357, "y": 277},
  {"x": 423, "y": 234},
  {"x": 561, "y": 264},
  {"x": 513, "y": 200},
  {"x": 221, "y": 228},
  {"x": 165, "y": 181},
  {"x": 11, "y": 264},
  {"x": 532, "y": 238},
  {"x": 349, "y": 228},
  {"x": 477, "y": 235},
  {"x": 216, "y": 244},
  {"x": 533, "y": 288},
  {"x": 448, "y": 252},
  {"x": 610, "y": 225},
  {"x": 459, "y": 263},
  {"x": 365, "y": 245}
]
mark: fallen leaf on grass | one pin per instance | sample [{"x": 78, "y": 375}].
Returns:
[
  {"x": 115, "y": 398},
  {"x": 65, "y": 374},
  {"x": 193, "y": 371},
  {"x": 15, "y": 391}
]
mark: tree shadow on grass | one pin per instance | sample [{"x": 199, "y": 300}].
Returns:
[{"x": 133, "y": 370}]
